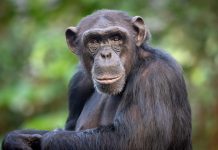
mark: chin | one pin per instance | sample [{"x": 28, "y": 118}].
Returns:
[{"x": 110, "y": 88}]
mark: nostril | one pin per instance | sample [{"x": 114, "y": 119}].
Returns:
[
  {"x": 108, "y": 55},
  {"x": 103, "y": 56}
]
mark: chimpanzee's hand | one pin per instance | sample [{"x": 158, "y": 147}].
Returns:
[{"x": 18, "y": 141}]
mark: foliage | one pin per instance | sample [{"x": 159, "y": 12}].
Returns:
[{"x": 36, "y": 65}]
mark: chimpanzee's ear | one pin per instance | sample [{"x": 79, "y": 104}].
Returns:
[
  {"x": 143, "y": 33},
  {"x": 71, "y": 35}
]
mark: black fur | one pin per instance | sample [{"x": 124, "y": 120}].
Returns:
[{"x": 152, "y": 112}]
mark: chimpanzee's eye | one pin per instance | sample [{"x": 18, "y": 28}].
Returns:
[
  {"x": 93, "y": 41},
  {"x": 116, "y": 38},
  {"x": 93, "y": 45}
]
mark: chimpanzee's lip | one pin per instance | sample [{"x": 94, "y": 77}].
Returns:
[{"x": 107, "y": 80}]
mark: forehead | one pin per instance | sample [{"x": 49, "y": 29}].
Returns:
[{"x": 103, "y": 20}]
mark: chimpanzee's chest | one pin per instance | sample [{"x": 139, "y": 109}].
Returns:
[{"x": 99, "y": 110}]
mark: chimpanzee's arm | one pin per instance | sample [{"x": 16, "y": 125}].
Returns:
[
  {"x": 23, "y": 139},
  {"x": 80, "y": 89}
]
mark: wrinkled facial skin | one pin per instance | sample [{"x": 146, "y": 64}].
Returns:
[{"x": 106, "y": 46}]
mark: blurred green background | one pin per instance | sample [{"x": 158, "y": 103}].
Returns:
[{"x": 36, "y": 65}]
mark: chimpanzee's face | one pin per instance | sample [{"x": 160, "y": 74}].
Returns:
[{"x": 107, "y": 46}]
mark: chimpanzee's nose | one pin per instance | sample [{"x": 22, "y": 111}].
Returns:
[{"x": 106, "y": 54}]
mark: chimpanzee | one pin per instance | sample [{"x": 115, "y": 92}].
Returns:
[{"x": 125, "y": 95}]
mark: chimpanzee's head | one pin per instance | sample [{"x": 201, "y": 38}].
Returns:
[{"x": 107, "y": 43}]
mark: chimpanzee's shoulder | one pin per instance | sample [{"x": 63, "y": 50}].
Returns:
[{"x": 158, "y": 61}]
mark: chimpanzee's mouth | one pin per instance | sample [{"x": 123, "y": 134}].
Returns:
[{"x": 107, "y": 79}]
